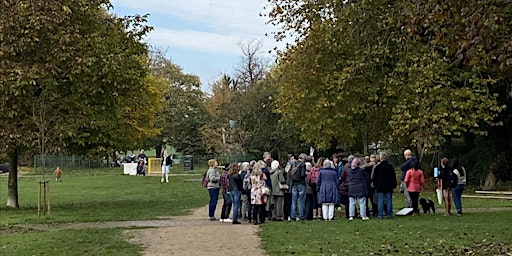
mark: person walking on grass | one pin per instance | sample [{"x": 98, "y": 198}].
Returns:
[
  {"x": 166, "y": 166},
  {"x": 213, "y": 187},
  {"x": 414, "y": 179},
  {"x": 58, "y": 174}
]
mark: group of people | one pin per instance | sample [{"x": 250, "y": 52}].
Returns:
[{"x": 302, "y": 189}]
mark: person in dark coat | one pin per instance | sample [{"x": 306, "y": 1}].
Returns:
[
  {"x": 384, "y": 181},
  {"x": 357, "y": 189},
  {"x": 327, "y": 186}
]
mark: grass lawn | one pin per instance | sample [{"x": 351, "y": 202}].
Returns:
[{"x": 106, "y": 195}]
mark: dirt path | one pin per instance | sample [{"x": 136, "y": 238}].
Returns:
[{"x": 196, "y": 235}]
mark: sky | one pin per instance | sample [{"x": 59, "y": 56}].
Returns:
[{"x": 203, "y": 36}]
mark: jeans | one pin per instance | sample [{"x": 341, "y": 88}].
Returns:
[
  {"x": 362, "y": 206},
  {"x": 457, "y": 194},
  {"x": 298, "y": 193},
  {"x": 226, "y": 206},
  {"x": 235, "y": 198},
  {"x": 165, "y": 172},
  {"x": 388, "y": 198},
  {"x": 212, "y": 205},
  {"x": 406, "y": 194}
]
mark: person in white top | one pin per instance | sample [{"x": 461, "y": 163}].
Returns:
[{"x": 457, "y": 191}]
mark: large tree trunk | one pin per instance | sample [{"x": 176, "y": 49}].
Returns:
[
  {"x": 158, "y": 150},
  {"x": 12, "y": 194}
]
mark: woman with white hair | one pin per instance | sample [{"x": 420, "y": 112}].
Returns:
[
  {"x": 278, "y": 180},
  {"x": 327, "y": 187},
  {"x": 357, "y": 189}
]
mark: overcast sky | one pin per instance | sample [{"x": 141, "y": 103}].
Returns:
[{"x": 202, "y": 36}]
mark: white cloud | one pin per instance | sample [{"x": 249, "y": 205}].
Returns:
[
  {"x": 220, "y": 25},
  {"x": 219, "y": 15}
]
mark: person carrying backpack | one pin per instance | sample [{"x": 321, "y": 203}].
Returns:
[
  {"x": 298, "y": 178},
  {"x": 313, "y": 174},
  {"x": 461, "y": 182},
  {"x": 444, "y": 183}
]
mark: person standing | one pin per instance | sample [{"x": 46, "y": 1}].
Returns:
[
  {"x": 166, "y": 166},
  {"x": 226, "y": 196},
  {"x": 443, "y": 183},
  {"x": 258, "y": 198},
  {"x": 414, "y": 179},
  {"x": 246, "y": 193},
  {"x": 460, "y": 171},
  {"x": 327, "y": 188},
  {"x": 384, "y": 181},
  {"x": 312, "y": 180},
  {"x": 213, "y": 187},
  {"x": 405, "y": 167},
  {"x": 235, "y": 189},
  {"x": 277, "y": 177},
  {"x": 357, "y": 189},
  {"x": 58, "y": 174},
  {"x": 298, "y": 179}
]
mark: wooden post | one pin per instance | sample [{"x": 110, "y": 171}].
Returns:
[
  {"x": 39, "y": 200},
  {"x": 48, "y": 198}
]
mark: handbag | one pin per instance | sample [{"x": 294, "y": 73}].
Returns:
[
  {"x": 265, "y": 190},
  {"x": 283, "y": 186}
]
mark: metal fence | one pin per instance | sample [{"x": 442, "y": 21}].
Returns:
[{"x": 78, "y": 162}]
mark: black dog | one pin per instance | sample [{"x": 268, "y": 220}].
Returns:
[{"x": 427, "y": 205}]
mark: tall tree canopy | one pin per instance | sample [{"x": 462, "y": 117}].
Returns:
[
  {"x": 401, "y": 71},
  {"x": 183, "y": 112},
  {"x": 73, "y": 76}
]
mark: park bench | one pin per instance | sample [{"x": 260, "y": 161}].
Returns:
[{"x": 505, "y": 195}]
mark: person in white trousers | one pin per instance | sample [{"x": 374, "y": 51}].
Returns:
[
  {"x": 166, "y": 165},
  {"x": 327, "y": 187}
]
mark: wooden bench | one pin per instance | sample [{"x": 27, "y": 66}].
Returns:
[{"x": 504, "y": 195}]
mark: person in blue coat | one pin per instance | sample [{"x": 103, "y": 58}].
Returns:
[{"x": 327, "y": 187}]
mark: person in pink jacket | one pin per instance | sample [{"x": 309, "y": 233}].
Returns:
[{"x": 413, "y": 180}]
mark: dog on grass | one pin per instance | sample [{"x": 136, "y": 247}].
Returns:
[{"x": 427, "y": 205}]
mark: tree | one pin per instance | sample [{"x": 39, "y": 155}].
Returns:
[
  {"x": 352, "y": 64},
  {"x": 184, "y": 111},
  {"x": 74, "y": 79}
]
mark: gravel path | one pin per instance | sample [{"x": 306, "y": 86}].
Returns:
[{"x": 196, "y": 235}]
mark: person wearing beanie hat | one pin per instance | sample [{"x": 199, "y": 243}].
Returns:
[{"x": 357, "y": 189}]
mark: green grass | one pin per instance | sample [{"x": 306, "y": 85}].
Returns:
[
  {"x": 88, "y": 198},
  {"x": 107, "y": 195},
  {"x": 482, "y": 234},
  {"x": 68, "y": 242}
]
